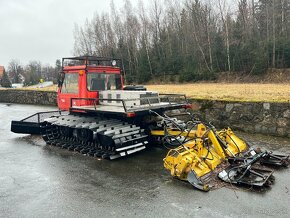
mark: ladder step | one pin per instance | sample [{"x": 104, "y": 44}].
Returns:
[
  {"x": 132, "y": 146},
  {"x": 126, "y": 142}
]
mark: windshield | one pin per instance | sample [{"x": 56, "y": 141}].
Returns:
[{"x": 103, "y": 81}]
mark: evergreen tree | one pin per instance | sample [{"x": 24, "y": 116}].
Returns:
[{"x": 5, "y": 82}]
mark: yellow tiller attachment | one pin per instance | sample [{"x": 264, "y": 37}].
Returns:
[
  {"x": 201, "y": 152},
  {"x": 235, "y": 145}
]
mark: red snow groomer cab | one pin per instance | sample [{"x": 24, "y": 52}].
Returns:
[{"x": 85, "y": 77}]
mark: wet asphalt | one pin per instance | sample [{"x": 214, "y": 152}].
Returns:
[{"x": 37, "y": 180}]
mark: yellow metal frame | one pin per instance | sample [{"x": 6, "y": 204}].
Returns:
[{"x": 204, "y": 150}]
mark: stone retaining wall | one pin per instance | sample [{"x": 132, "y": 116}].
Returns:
[
  {"x": 266, "y": 118},
  {"x": 28, "y": 97},
  {"x": 253, "y": 117}
]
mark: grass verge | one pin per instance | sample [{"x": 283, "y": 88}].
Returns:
[{"x": 249, "y": 92}]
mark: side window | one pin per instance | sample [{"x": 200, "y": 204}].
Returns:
[{"x": 71, "y": 83}]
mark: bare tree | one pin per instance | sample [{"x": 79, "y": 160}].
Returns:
[
  {"x": 32, "y": 73},
  {"x": 15, "y": 71},
  {"x": 200, "y": 28},
  {"x": 274, "y": 34},
  {"x": 224, "y": 17},
  {"x": 145, "y": 33},
  {"x": 190, "y": 37}
]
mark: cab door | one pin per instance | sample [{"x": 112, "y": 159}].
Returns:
[{"x": 69, "y": 89}]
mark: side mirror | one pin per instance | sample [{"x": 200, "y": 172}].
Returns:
[{"x": 60, "y": 79}]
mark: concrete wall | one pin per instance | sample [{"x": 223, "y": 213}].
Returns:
[
  {"x": 28, "y": 97},
  {"x": 265, "y": 118}
]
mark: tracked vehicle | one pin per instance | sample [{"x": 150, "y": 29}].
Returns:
[{"x": 98, "y": 116}]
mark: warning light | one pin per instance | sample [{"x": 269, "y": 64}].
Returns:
[{"x": 131, "y": 114}]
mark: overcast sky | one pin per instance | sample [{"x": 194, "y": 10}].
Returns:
[{"x": 43, "y": 29}]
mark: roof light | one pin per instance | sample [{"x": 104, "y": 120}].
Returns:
[{"x": 114, "y": 63}]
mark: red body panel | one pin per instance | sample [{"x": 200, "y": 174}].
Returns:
[{"x": 64, "y": 99}]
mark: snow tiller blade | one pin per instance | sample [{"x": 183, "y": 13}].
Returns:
[{"x": 196, "y": 182}]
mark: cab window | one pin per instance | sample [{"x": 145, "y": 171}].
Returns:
[
  {"x": 103, "y": 81},
  {"x": 70, "y": 83}
]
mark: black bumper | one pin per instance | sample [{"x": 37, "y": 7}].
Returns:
[{"x": 26, "y": 127}]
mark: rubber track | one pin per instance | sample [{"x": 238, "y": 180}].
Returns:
[{"x": 93, "y": 136}]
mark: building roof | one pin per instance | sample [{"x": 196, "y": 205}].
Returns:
[{"x": 1, "y": 71}]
